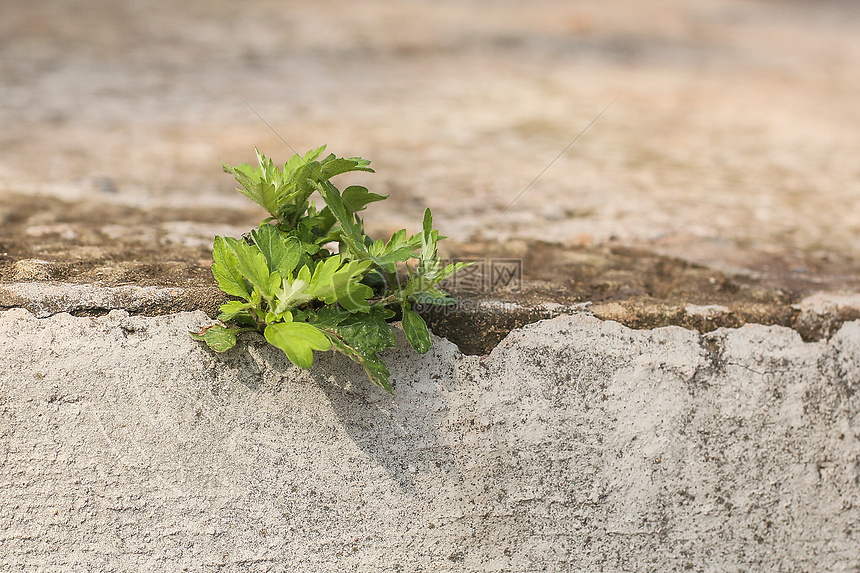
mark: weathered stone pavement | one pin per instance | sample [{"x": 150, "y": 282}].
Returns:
[{"x": 717, "y": 194}]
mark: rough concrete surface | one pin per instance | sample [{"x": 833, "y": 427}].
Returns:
[
  {"x": 735, "y": 140},
  {"x": 730, "y": 156},
  {"x": 576, "y": 445},
  {"x": 718, "y": 191}
]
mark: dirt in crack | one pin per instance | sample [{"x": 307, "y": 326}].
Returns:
[{"x": 47, "y": 240}]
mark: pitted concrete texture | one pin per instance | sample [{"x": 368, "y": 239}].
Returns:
[
  {"x": 576, "y": 445},
  {"x": 719, "y": 189}
]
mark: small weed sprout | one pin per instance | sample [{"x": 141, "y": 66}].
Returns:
[{"x": 288, "y": 285}]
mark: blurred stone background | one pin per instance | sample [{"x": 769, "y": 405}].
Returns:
[
  {"x": 576, "y": 443},
  {"x": 734, "y": 142}
]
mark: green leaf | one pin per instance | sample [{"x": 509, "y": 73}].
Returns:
[
  {"x": 282, "y": 253},
  {"x": 353, "y": 296},
  {"x": 320, "y": 284},
  {"x": 294, "y": 291},
  {"x": 328, "y": 317},
  {"x": 351, "y": 232},
  {"x": 331, "y": 166},
  {"x": 349, "y": 292},
  {"x": 416, "y": 331},
  {"x": 324, "y": 221},
  {"x": 427, "y": 224},
  {"x": 389, "y": 259},
  {"x": 374, "y": 368},
  {"x": 219, "y": 338},
  {"x": 368, "y": 333},
  {"x": 298, "y": 340},
  {"x": 378, "y": 373},
  {"x": 232, "y": 309},
  {"x": 307, "y": 176},
  {"x": 226, "y": 269},
  {"x": 254, "y": 267},
  {"x": 332, "y": 284},
  {"x": 357, "y": 197},
  {"x": 398, "y": 249},
  {"x": 312, "y": 154},
  {"x": 254, "y": 185},
  {"x": 352, "y": 235},
  {"x": 451, "y": 269},
  {"x": 428, "y": 261}
]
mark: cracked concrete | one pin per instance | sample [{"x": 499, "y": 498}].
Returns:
[
  {"x": 576, "y": 445},
  {"x": 684, "y": 399}
]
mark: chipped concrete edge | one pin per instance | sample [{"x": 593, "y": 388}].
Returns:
[
  {"x": 46, "y": 299},
  {"x": 476, "y": 325}
]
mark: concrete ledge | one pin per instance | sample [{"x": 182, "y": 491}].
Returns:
[
  {"x": 576, "y": 445},
  {"x": 47, "y": 299},
  {"x": 476, "y": 325}
]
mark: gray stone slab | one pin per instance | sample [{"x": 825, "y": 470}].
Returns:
[
  {"x": 720, "y": 189},
  {"x": 735, "y": 138},
  {"x": 576, "y": 445}
]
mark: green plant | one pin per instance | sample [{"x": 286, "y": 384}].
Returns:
[{"x": 288, "y": 284}]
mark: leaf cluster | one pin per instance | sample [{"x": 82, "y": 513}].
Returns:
[{"x": 311, "y": 279}]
